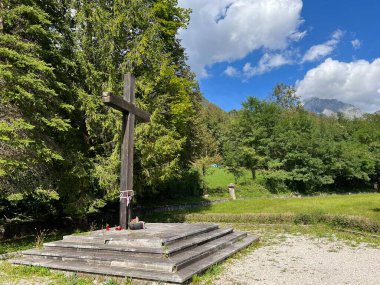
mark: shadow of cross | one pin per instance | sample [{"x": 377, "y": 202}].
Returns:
[{"x": 126, "y": 105}]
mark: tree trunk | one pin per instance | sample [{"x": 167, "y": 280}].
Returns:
[
  {"x": 253, "y": 171},
  {"x": 1, "y": 18}
]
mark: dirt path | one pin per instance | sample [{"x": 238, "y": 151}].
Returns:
[{"x": 305, "y": 260}]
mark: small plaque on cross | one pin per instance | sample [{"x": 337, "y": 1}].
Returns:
[{"x": 126, "y": 105}]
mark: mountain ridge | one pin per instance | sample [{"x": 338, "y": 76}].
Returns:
[{"x": 331, "y": 108}]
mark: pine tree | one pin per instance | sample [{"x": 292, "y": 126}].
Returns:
[
  {"x": 138, "y": 36},
  {"x": 35, "y": 102}
]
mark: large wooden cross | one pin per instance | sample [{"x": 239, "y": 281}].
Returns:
[{"x": 126, "y": 105}]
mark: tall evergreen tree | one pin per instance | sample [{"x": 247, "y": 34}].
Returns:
[
  {"x": 36, "y": 101},
  {"x": 138, "y": 36}
]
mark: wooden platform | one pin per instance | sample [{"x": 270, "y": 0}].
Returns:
[{"x": 161, "y": 252}]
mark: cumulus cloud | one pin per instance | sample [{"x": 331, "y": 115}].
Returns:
[
  {"x": 354, "y": 82},
  {"x": 356, "y": 44},
  {"x": 320, "y": 51},
  {"x": 266, "y": 64},
  {"x": 231, "y": 71},
  {"x": 228, "y": 30}
]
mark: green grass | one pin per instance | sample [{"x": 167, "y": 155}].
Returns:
[
  {"x": 18, "y": 244},
  {"x": 220, "y": 178},
  {"x": 356, "y": 212},
  {"x": 217, "y": 180},
  {"x": 37, "y": 275},
  {"x": 363, "y": 205},
  {"x": 24, "y": 243},
  {"x": 41, "y": 275}
]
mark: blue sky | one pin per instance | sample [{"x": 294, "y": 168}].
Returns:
[{"x": 327, "y": 49}]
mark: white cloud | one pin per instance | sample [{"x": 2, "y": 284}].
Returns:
[
  {"x": 354, "y": 82},
  {"x": 228, "y": 30},
  {"x": 266, "y": 63},
  {"x": 231, "y": 71},
  {"x": 356, "y": 44},
  {"x": 320, "y": 51}
]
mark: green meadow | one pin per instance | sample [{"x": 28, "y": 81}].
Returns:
[
  {"x": 217, "y": 179},
  {"x": 364, "y": 205}
]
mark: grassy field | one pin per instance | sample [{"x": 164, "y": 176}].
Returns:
[
  {"x": 363, "y": 205},
  {"x": 259, "y": 200},
  {"x": 217, "y": 180}
]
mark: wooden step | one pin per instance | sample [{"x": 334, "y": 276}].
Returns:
[
  {"x": 82, "y": 267},
  {"x": 202, "y": 265},
  {"x": 180, "y": 276},
  {"x": 153, "y": 262},
  {"x": 104, "y": 247},
  {"x": 140, "y": 239},
  {"x": 126, "y": 254},
  {"x": 196, "y": 240},
  {"x": 138, "y": 261},
  {"x": 173, "y": 247},
  {"x": 162, "y": 252},
  {"x": 188, "y": 234},
  {"x": 188, "y": 257}
]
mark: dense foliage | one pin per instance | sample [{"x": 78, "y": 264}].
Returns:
[
  {"x": 300, "y": 151},
  {"x": 59, "y": 145}
]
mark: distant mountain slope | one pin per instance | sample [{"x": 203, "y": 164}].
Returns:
[
  {"x": 207, "y": 104},
  {"x": 331, "y": 107}
]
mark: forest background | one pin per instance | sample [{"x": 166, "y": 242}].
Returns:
[{"x": 60, "y": 146}]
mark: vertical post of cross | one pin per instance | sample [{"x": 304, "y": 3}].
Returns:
[
  {"x": 126, "y": 171},
  {"x": 126, "y": 105}
]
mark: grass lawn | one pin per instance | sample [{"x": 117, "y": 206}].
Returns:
[
  {"x": 220, "y": 178},
  {"x": 364, "y": 205},
  {"x": 41, "y": 275},
  {"x": 217, "y": 180}
]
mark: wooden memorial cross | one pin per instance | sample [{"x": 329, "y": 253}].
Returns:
[{"x": 127, "y": 106}]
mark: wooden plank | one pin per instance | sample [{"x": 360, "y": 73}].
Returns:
[
  {"x": 187, "y": 233},
  {"x": 103, "y": 247},
  {"x": 152, "y": 263},
  {"x": 127, "y": 106},
  {"x": 126, "y": 173},
  {"x": 118, "y": 103},
  {"x": 128, "y": 139},
  {"x": 201, "y": 266},
  {"x": 199, "y": 239},
  {"x": 82, "y": 267},
  {"x": 123, "y": 172}
]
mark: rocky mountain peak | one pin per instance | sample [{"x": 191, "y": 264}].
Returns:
[{"x": 331, "y": 107}]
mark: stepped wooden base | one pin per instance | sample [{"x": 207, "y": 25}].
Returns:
[{"x": 161, "y": 252}]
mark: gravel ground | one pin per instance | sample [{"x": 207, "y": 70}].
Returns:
[{"x": 305, "y": 260}]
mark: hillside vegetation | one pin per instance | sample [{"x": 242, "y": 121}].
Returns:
[{"x": 294, "y": 150}]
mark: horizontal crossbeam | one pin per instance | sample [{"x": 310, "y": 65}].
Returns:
[{"x": 124, "y": 106}]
